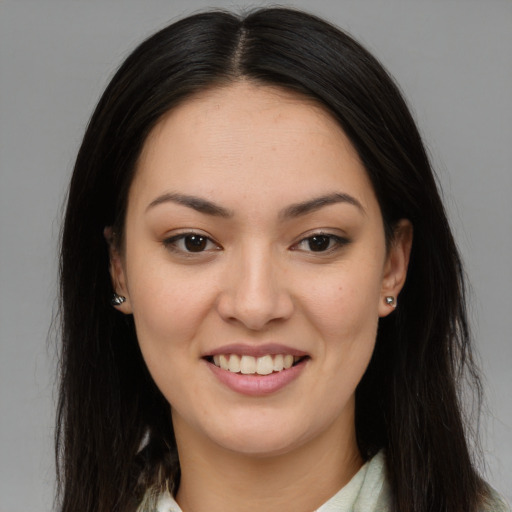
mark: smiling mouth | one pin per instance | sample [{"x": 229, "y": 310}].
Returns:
[{"x": 249, "y": 365}]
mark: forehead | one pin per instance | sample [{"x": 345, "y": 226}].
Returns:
[{"x": 249, "y": 139}]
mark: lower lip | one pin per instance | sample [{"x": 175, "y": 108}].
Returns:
[{"x": 257, "y": 385}]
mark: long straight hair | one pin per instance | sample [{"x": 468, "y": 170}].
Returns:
[{"x": 114, "y": 438}]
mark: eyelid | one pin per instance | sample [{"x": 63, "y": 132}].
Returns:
[
  {"x": 340, "y": 241},
  {"x": 170, "y": 242}
]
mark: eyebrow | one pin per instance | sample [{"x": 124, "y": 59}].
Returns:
[
  {"x": 196, "y": 203},
  {"x": 294, "y": 210},
  {"x": 312, "y": 205}
]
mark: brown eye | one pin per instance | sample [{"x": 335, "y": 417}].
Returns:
[
  {"x": 195, "y": 243},
  {"x": 189, "y": 243},
  {"x": 319, "y": 243}
]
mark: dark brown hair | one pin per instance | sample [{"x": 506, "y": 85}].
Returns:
[{"x": 407, "y": 401}]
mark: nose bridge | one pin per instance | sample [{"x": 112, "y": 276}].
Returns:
[
  {"x": 254, "y": 293},
  {"x": 256, "y": 283}
]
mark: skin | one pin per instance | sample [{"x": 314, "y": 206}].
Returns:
[{"x": 254, "y": 151}]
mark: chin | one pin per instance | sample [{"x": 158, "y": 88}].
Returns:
[
  {"x": 264, "y": 440},
  {"x": 260, "y": 447}
]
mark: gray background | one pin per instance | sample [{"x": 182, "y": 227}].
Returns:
[{"x": 452, "y": 60}]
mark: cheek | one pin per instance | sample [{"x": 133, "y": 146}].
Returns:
[
  {"x": 167, "y": 319},
  {"x": 162, "y": 295},
  {"x": 344, "y": 312},
  {"x": 346, "y": 317},
  {"x": 168, "y": 309},
  {"x": 344, "y": 304}
]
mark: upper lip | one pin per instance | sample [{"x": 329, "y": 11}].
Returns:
[{"x": 242, "y": 349}]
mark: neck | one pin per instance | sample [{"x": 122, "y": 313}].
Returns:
[{"x": 214, "y": 479}]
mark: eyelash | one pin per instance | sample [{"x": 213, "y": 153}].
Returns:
[
  {"x": 335, "y": 242},
  {"x": 172, "y": 243}
]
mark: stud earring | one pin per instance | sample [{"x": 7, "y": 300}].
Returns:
[
  {"x": 117, "y": 299},
  {"x": 390, "y": 301}
]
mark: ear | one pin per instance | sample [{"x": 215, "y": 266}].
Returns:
[
  {"x": 117, "y": 273},
  {"x": 395, "y": 268}
]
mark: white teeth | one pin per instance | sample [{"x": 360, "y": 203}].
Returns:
[
  {"x": 249, "y": 365},
  {"x": 234, "y": 363},
  {"x": 224, "y": 362},
  {"x": 264, "y": 365},
  {"x": 278, "y": 363}
]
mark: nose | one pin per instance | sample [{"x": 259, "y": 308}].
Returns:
[{"x": 253, "y": 292}]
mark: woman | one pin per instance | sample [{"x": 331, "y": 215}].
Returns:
[{"x": 250, "y": 199}]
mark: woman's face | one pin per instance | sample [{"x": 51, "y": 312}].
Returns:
[{"x": 254, "y": 241}]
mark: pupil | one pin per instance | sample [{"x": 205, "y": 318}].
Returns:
[
  {"x": 319, "y": 243},
  {"x": 195, "y": 243}
]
